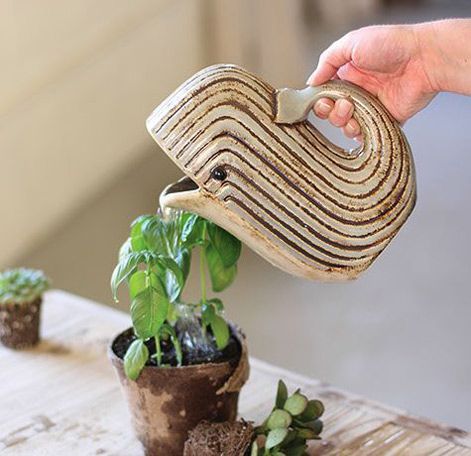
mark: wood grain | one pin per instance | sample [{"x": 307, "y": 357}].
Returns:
[{"x": 62, "y": 398}]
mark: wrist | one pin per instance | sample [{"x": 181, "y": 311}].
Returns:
[
  {"x": 446, "y": 56},
  {"x": 430, "y": 56}
]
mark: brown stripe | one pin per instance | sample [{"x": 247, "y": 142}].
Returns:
[
  {"x": 182, "y": 104},
  {"x": 282, "y": 237},
  {"x": 303, "y": 162},
  {"x": 396, "y": 201},
  {"x": 299, "y": 223},
  {"x": 291, "y": 184},
  {"x": 234, "y": 104},
  {"x": 303, "y": 224}
]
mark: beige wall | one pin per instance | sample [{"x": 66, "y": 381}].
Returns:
[{"x": 78, "y": 80}]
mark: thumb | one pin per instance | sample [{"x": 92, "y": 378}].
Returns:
[{"x": 335, "y": 56}]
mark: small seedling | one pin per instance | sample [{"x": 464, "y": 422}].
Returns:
[
  {"x": 22, "y": 286},
  {"x": 293, "y": 421},
  {"x": 155, "y": 263}
]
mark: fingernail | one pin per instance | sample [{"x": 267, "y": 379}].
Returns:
[
  {"x": 344, "y": 108},
  {"x": 351, "y": 129},
  {"x": 323, "y": 108}
]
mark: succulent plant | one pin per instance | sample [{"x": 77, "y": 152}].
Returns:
[
  {"x": 22, "y": 285},
  {"x": 293, "y": 421}
]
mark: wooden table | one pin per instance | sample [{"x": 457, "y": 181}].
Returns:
[{"x": 62, "y": 398}]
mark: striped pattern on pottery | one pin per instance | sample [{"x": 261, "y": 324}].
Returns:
[{"x": 310, "y": 207}]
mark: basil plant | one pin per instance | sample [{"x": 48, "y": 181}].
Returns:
[{"x": 155, "y": 263}]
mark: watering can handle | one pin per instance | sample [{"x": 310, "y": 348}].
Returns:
[{"x": 293, "y": 105}]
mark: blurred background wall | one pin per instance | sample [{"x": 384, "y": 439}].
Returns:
[{"x": 78, "y": 80}]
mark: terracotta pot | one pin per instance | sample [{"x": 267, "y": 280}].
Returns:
[
  {"x": 19, "y": 324},
  {"x": 166, "y": 403}
]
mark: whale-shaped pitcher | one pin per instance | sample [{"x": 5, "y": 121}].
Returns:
[{"x": 257, "y": 167}]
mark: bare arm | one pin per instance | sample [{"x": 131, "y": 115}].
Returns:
[{"x": 447, "y": 51}]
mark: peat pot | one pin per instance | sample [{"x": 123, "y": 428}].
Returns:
[
  {"x": 165, "y": 403},
  {"x": 19, "y": 323}
]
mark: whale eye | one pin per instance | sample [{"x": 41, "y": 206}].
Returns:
[{"x": 219, "y": 173}]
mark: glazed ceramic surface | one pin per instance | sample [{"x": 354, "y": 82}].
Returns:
[{"x": 255, "y": 166}]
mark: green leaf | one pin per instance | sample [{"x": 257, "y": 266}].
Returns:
[
  {"x": 149, "y": 310},
  {"x": 137, "y": 283},
  {"x": 172, "y": 276},
  {"x": 228, "y": 246},
  {"x": 192, "y": 230},
  {"x": 140, "y": 280},
  {"x": 296, "y": 404},
  {"x": 314, "y": 409},
  {"x": 210, "y": 309},
  {"x": 221, "y": 331},
  {"x": 137, "y": 239},
  {"x": 281, "y": 394},
  {"x": 293, "y": 440},
  {"x": 135, "y": 359},
  {"x": 207, "y": 313},
  {"x": 183, "y": 259},
  {"x": 221, "y": 277},
  {"x": 275, "y": 437},
  {"x": 307, "y": 434},
  {"x": 254, "y": 450},
  {"x": 217, "y": 304},
  {"x": 315, "y": 426},
  {"x": 172, "y": 314},
  {"x": 125, "y": 249},
  {"x": 279, "y": 419},
  {"x": 125, "y": 267},
  {"x": 153, "y": 234},
  {"x": 290, "y": 438},
  {"x": 296, "y": 450}
]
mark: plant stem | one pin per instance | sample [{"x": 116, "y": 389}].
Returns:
[
  {"x": 178, "y": 350},
  {"x": 158, "y": 350},
  {"x": 203, "y": 266}
]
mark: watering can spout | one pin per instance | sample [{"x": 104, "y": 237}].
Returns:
[{"x": 254, "y": 165}]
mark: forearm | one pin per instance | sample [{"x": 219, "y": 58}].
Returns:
[{"x": 446, "y": 49}]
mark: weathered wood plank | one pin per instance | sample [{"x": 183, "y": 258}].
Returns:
[{"x": 63, "y": 398}]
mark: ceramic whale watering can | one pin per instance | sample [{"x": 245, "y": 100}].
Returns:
[{"x": 257, "y": 167}]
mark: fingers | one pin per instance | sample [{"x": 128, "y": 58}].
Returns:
[
  {"x": 334, "y": 57},
  {"x": 338, "y": 56},
  {"x": 340, "y": 115},
  {"x": 352, "y": 130},
  {"x": 324, "y": 107},
  {"x": 339, "y": 112}
]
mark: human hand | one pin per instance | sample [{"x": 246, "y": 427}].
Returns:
[{"x": 387, "y": 61}]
